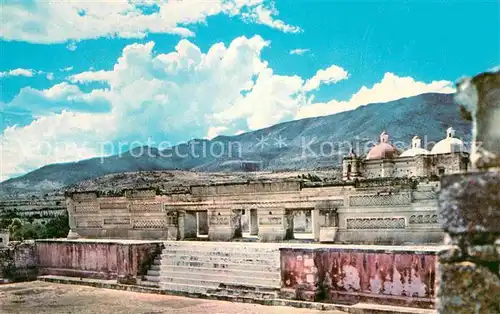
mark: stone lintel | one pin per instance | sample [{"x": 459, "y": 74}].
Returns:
[{"x": 470, "y": 203}]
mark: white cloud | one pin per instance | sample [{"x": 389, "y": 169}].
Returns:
[
  {"x": 175, "y": 96},
  {"x": 264, "y": 15},
  {"x": 91, "y": 76},
  {"x": 18, "y": 72},
  {"x": 71, "y": 46},
  {"x": 391, "y": 87},
  {"x": 66, "y": 69},
  {"x": 330, "y": 75},
  {"x": 214, "y": 131},
  {"x": 56, "y": 22},
  {"x": 26, "y": 73},
  {"x": 299, "y": 51},
  {"x": 53, "y": 139}
]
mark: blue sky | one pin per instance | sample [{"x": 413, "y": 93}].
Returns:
[{"x": 77, "y": 79}]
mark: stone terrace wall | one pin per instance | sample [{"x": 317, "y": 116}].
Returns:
[
  {"x": 469, "y": 269},
  {"x": 104, "y": 259},
  {"x": 394, "y": 275},
  {"x": 18, "y": 261}
]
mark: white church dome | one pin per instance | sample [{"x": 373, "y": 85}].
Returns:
[
  {"x": 416, "y": 148},
  {"x": 449, "y": 145}
]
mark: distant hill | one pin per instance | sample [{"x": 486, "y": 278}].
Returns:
[{"x": 426, "y": 115}]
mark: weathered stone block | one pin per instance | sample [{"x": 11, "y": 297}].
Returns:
[
  {"x": 470, "y": 202},
  {"x": 467, "y": 288}
]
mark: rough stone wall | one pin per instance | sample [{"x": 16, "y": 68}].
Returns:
[
  {"x": 96, "y": 259},
  {"x": 356, "y": 275},
  {"x": 469, "y": 269},
  {"x": 18, "y": 261}
]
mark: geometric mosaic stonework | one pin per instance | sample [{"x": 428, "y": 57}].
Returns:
[
  {"x": 146, "y": 207},
  {"x": 375, "y": 223},
  {"x": 112, "y": 206},
  {"x": 380, "y": 200},
  {"x": 423, "y": 219},
  {"x": 89, "y": 224},
  {"x": 149, "y": 224},
  {"x": 424, "y": 195},
  {"x": 117, "y": 221},
  {"x": 140, "y": 194},
  {"x": 86, "y": 208}
]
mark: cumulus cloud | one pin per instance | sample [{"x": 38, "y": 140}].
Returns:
[
  {"x": 391, "y": 87},
  {"x": 18, "y": 72},
  {"x": 55, "y": 22},
  {"x": 330, "y": 75},
  {"x": 54, "y": 138},
  {"x": 214, "y": 131},
  {"x": 299, "y": 51},
  {"x": 26, "y": 73},
  {"x": 175, "y": 96},
  {"x": 264, "y": 15}
]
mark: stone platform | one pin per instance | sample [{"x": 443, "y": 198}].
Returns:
[
  {"x": 251, "y": 272},
  {"x": 123, "y": 260}
]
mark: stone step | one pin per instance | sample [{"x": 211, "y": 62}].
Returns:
[
  {"x": 213, "y": 280},
  {"x": 155, "y": 266},
  {"x": 205, "y": 271},
  {"x": 152, "y": 272},
  {"x": 147, "y": 283},
  {"x": 152, "y": 278},
  {"x": 221, "y": 249},
  {"x": 245, "y": 260},
  {"x": 157, "y": 261},
  {"x": 235, "y": 255},
  {"x": 219, "y": 265}
]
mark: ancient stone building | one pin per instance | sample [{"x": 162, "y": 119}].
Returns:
[
  {"x": 36, "y": 208},
  {"x": 386, "y": 197}
]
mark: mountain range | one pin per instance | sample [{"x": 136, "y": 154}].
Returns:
[{"x": 311, "y": 143}]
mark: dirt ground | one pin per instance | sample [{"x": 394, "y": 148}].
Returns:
[{"x": 43, "y": 297}]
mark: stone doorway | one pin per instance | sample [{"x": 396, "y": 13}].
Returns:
[
  {"x": 237, "y": 223},
  {"x": 299, "y": 224},
  {"x": 249, "y": 222},
  {"x": 202, "y": 224}
]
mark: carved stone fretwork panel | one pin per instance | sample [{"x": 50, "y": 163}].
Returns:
[
  {"x": 117, "y": 221},
  {"x": 270, "y": 220},
  {"x": 329, "y": 204},
  {"x": 380, "y": 200},
  {"x": 423, "y": 219},
  {"x": 114, "y": 206},
  {"x": 149, "y": 224},
  {"x": 90, "y": 224},
  {"x": 219, "y": 220},
  {"x": 140, "y": 194},
  {"x": 375, "y": 223},
  {"x": 424, "y": 195},
  {"x": 86, "y": 208},
  {"x": 146, "y": 207}
]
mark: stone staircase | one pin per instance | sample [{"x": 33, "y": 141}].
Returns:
[{"x": 249, "y": 270}]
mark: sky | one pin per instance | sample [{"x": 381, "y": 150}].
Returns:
[{"x": 80, "y": 78}]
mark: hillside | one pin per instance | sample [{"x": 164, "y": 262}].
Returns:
[{"x": 427, "y": 115}]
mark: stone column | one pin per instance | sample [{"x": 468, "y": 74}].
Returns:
[
  {"x": 272, "y": 224},
  {"x": 469, "y": 210},
  {"x": 72, "y": 234}
]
